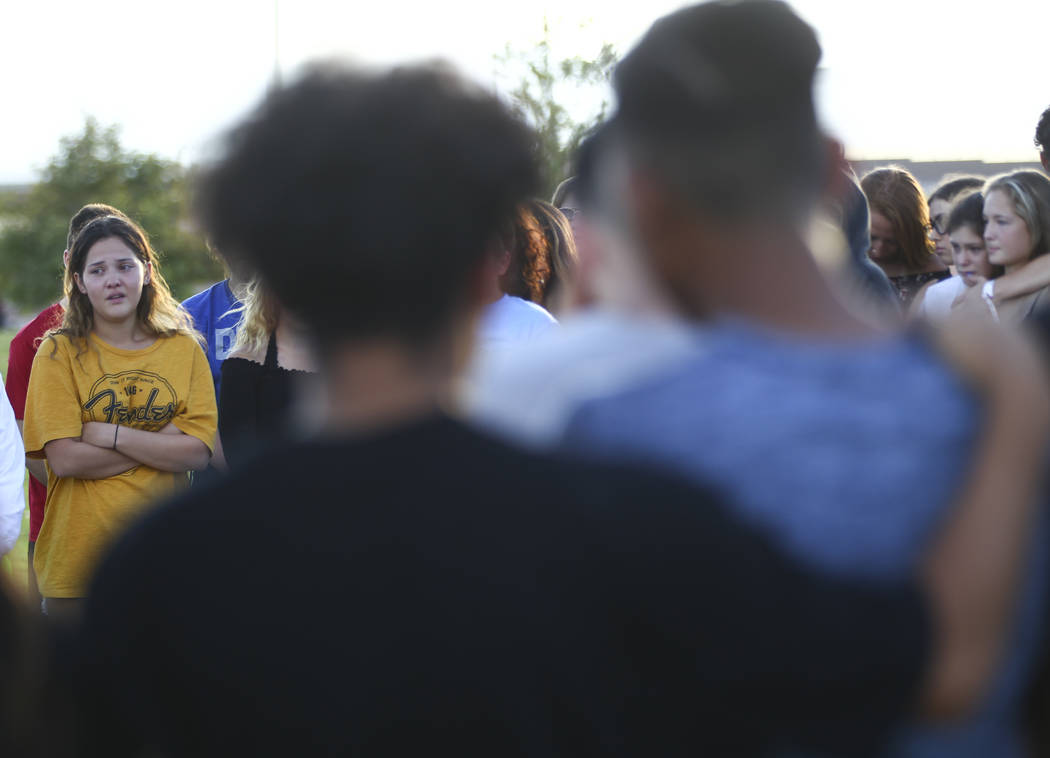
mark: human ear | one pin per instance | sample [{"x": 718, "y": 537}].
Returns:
[{"x": 80, "y": 284}]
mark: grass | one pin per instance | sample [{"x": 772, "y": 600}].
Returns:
[{"x": 14, "y": 564}]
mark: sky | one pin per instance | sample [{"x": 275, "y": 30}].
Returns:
[{"x": 918, "y": 79}]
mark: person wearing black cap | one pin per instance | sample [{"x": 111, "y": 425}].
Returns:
[{"x": 461, "y": 596}]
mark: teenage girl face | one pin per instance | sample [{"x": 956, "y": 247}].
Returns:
[
  {"x": 939, "y": 210},
  {"x": 969, "y": 254},
  {"x": 1006, "y": 235},
  {"x": 884, "y": 245},
  {"x": 112, "y": 279}
]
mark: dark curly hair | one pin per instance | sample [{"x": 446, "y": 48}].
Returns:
[
  {"x": 530, "y": 270},
  {"x": 1042, "y": 132},
  {"x": 366, "y": 199}
]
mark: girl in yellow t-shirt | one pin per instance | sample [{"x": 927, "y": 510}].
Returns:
[{"x": 120, "y": 403}]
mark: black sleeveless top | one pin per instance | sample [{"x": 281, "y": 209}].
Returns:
[
  {"x": 254, "y": 404},
  {"x": 909, "y": 285}
]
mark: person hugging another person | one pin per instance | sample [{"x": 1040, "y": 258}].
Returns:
[
  {"x": 1017, "y": 232},
  {"x": 963, "y": 228},
  {"x": 900, "y": 221},
  {"x": 1019, "y": 205},
  {"x": 120, "y": 404}
]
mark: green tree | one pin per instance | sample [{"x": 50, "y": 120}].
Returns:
[
  {"x": 93, "y": 167},
  {"x": 562, "y": 100}
]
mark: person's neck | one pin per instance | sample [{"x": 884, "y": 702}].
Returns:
[
  {"x": 295, "y": 344},
  {"x": 376, "y": 384},
  {"x": 768, "y": 275},
  {"x": 127, "y": 334}
]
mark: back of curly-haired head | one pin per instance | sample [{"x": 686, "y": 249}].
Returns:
[
  {"x": 1042, "y": 133},
  {"x": 367, "y": 199},
  {"x": 895, "y": 194},
  {"x": 530, "y": 269},
  {"x": 158, "y": 312}
]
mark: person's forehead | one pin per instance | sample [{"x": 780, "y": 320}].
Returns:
[
  {"x": 110, "y": 248},
  {"x": 998, "y": 201},
  {"x": 964, "y": 233},
  {"x": 877, "y": 219}
]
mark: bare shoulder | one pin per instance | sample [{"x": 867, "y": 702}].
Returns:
[{"x": 255, "y": 356}]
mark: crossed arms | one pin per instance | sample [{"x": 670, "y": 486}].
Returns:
[{"x": 105, "y": 450}]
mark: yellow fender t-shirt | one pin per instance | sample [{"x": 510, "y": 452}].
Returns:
[{"x": 167, "y": 382}]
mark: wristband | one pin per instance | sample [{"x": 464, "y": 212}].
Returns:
[{"x": 116, "y": 430}]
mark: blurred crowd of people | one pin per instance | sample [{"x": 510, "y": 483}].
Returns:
[{"x": 723, "y": 451}]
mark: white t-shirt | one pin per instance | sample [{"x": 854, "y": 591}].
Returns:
[
  {"x": 529, "y": 394},
  {"x": 511, "y": 320},
  {"x": 937, "y": 302},
  {"x": 12, "y": 476}
]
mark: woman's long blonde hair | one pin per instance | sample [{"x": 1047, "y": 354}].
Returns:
[
  {"x": 158, "y": 312},
  {"x": 259, "y": 315}
]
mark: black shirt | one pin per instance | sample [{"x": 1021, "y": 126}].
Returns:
[
  {"x": 254, "y": 404},
  {"x": 431, "y": 589}
]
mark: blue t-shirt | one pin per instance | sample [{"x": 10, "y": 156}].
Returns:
[
  {"x": 848, "y": 454},
  {"x": 212, "y": 317}
]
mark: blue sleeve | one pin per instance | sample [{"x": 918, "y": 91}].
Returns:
[{"x": 214, "y": 315}]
